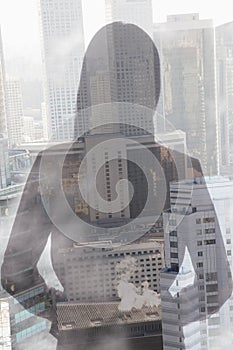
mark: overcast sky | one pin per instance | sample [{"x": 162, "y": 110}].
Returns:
[{"x": 20, "y": 29}]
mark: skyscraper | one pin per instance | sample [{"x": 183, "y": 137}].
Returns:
[
  {"x": 126, "y": 80},
  {"x": 191, "y": 302},
  {"x": 138, "y": 12},
  {"x": 63, "y": 48},
  {"x": 14, "y": 102},
  {"x": 187, "y": 48},
  {"x": 5, "y": 177},
  {"x": 224, "y": 51},
  {"x": 3, "y": 126}
]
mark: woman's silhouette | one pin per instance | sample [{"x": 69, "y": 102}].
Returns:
[{"x": 121, "y": 67}]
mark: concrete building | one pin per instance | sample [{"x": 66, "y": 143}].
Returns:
[
  {"x": 224, "y": 56},
  {"x": 187, "y": 51},
  {"x": 5, "y": 177},
  {"x": 63, "y": 49},
  {"x": 14, "y": 103},
  {"x": 44, "y": 121},
  {"x": 3, "y": 121},
  {"x": 138, "y": 12},
  {"x": 195, "y": 285},
  {"x": 88, "y": 272},
  {"x": 21, "y": 326},
  {"x": 28, "y": 129},
  {"x": 121, "y": 80}
]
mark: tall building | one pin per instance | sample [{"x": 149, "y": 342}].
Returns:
[
  {"x": 224, "y": 55},
  {"x": 187, "y": 53},
  {"x": 138, "y": 12},
  {"x": 5, "y": 176},
  {"x": 121, "y": 79},
  {"x": 21, "y": 328},
  {"x": 3, "y": 122},
  {"x": 63, "y": 48},
  {"x": 195, "y": 309},
  {"x": 14, "y": 103}
]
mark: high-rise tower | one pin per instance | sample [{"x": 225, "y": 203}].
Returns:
[
  {"x": 14, "y": 102},
  {"x": 187, "y": 52},
  {"x": 224, "y": 55},
  {"x": 3, "y": 126},
  {"x": 63, "y": 48},
  {"x": 138, "y": 12}
]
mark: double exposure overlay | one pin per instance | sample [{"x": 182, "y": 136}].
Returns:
[{"x": 116, "y": 188}]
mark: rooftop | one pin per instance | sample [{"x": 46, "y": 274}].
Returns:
[{"x": 90, "y": 315}]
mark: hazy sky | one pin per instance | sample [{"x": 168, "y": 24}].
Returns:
[{"x": 20, "y": 29}]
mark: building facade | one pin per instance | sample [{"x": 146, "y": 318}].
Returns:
[
  {"x": 187, "y": 53},
  {"x": 89, "y": 271},
  {"x": 138, "y": 12},
  {"x": 224, "y": 56},
  {"x": 14, "y": 101},
  {"x": 194, "y": 314},
  {"x": 63, "y": 49},
  {"x": 21, "y": 326},
  {"x": 3, "y": 121}
]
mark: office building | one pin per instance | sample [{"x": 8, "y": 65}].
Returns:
[
  {"x": 21, "y": 326},
  {"x": 3, "y": 121},
  {"x": 63, "y": 49},
  {"x": 196, "y": 312},
  {"x": 138, "y": 12},
  {"x": 14, "y": 102},
  {"x": 224, "y": 56},
  {"x": 187, "y": 51},
  {"x": 89, "y": 271},
  {"x": 121, "y": 79},
  {"x": 5, "y": 177}
]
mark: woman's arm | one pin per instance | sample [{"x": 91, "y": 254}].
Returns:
[{"x": 28, "y": 238}]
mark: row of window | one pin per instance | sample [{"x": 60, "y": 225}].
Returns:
[
  {"x": 25, "y": 314},
  {"x": 28, "y": 332},
  {"x": 206, "y": 231},
  {"x": 205, "y": 220},
  {"x": 28, "y": 295},
  {"x": 206, "y": 242}
]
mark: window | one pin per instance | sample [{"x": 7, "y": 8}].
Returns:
[
  {"x": 199, "y": 253},
  {"x": 209, "y": 230},
  {"x": 212, "y": 299},
  {"x": 172, "y": 222},
  {"x": 198, "y": 221},
  {"x": 199, "y": 243},
  {"x": 212, "y": 276},
  {"x": 229, "y": 252},
  {"x": 207, "y": 220},
  {"x": 199, "y": 232},
  {"x": 174, "y": 255},
  {"x": 173, "y": 244},
  {"x": 199, "y": 265},
  {"x": 173, "y": 233},
  {"x": 209, "y": 241},
  {"x": 214, "y": 321},
  {"x": 228, "y": 241},
  {"x": 211, "y": 288}
]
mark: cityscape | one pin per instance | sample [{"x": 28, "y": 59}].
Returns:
[{"x": 116, "y": 182}]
